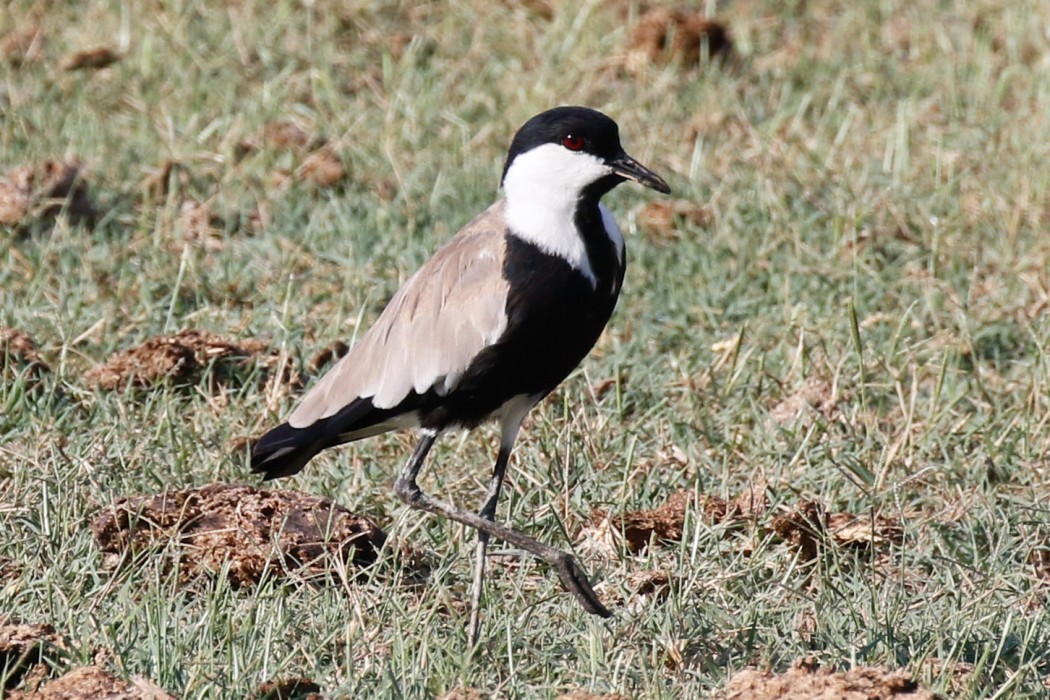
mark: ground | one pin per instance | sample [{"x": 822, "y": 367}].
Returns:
[{"x": 811, "y": 449}]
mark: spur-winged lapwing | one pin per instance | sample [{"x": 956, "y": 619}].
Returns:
[{"x": 487, "y": 327}]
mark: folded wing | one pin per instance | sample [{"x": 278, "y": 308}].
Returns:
[{"x": 451, "y": 309}]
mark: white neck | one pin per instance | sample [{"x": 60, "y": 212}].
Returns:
[{"x": 543, "y": 187}]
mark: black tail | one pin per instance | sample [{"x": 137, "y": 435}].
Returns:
[{"x": 285, "y": 450}]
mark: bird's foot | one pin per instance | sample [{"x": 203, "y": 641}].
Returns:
[{"x": 575, "y": 582}]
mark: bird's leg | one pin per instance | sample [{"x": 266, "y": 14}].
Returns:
[
  {"x": 488, "y": 512},
  {"x": 572, "y": 577}
]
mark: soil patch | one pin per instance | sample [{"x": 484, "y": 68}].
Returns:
[
  {"x": 184, "y": 359},
  {"x": 814, "y": 396},
  {"x": 19, "y": 356},
  {"x": 41, "y": 190},
  {"x": 666, "y": 34},
  {"x": 248, "y": 532},
  {"x": 93, "y": 683},
  {"x": 287, "y": 689},
  {"x": 91, "y": 59},
  {"x": 588, "y": 695},
  {"x": 809, "y": 528},
  {"x": 662, "y": 220},
  {"x": 328, "y": 355},
  {"x": 21, "y": 46},
  {"x": 323, "y": 168},
  {"x": 24, "y": 649},
  {"x": 666, "y": 522},
  {"x": 806, "y": 681}
]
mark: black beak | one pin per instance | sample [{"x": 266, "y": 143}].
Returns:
[{"x": 627, "y": 167}]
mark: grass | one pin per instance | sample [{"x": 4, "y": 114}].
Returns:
[{"x": 876, "y": 180}]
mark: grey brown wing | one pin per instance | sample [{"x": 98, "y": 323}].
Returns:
[{"x": 450, "y": 310}]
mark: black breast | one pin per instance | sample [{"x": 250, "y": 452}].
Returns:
[{"x": 554, "y": 317}]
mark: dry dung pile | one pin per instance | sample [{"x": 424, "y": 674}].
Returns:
[
  {"x": 92, "y": 683},
  {"x": 806, "y": 681},
  {"x": 641, "y": 590},
  {"x": 22, "y": 45},
  {"x": 29, "y": 655},
  {"x": 42, "y": 190},
  {"x": 254, "y": 532},
  {"x": 815, "y": 396},
  {"x": 662, "y": 219},
  {"x": 808, "y": 528},
  {"x": 665, "y": 523},
  {"x": 23, "y": 652},
  {"x": 317, "y": 161},
  {"x": 326, "y": 356},
  {"x": 464, "y": 693},
  {"x": 588, "y": 695},
  {"x": 640, "y": 527},
  {"x": 95, "y": 58},
  {"x": 287, "y": 689},
  {"x": 665, "y": 34},
  {"x": 18, "y": 355},
  {"x": 184, "y": 359}
]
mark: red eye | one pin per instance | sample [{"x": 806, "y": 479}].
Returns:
[{"x": 573, "y": 143}]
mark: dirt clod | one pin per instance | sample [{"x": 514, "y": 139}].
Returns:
[
  {"x": 19, "y": 356},
  {"x": 22, "y": 647},
  {"x": 861, "y": 531},
  {"x": 660, "y": 219},
  {"x": 254, "y": 532},
  {"x": 464, "y": 693},
  {"x": 91, "y": 59},
  {"x": 287, "y": 689},
  {"x": 804, "y": 528},
  {"x": 42, "y": 190},
  {"x": 183, "y": 359},
  {"x": 809, "y": 528},
  {"x": 1039, "y": 558},
  {"x": 327, "y": 356},
  {"x": 666, "y": 34},
  {"x": 815, "y": 395},
  {"x": 806, "y": 681},
  {"x": 21, "y": 46},
  {"x": 323, "y": 168},
  {"x": 580, "y": 694},
  {"x": 666, "y": 522},
  {"x": 200, "y": 226},
  {"x": 93, "y": 683},
  {"x": 640, "y": 527},
  {"x": 286, "y": 136}
]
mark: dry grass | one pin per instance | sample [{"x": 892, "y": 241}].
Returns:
[{"x": 843, "y": 312}]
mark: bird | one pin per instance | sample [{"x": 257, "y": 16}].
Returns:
[{"x": 496, "y": 319}]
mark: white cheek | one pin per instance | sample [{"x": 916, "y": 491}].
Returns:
[
  {"x": 543, "y": 187},
  {"x": 552, "y": 173}
]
